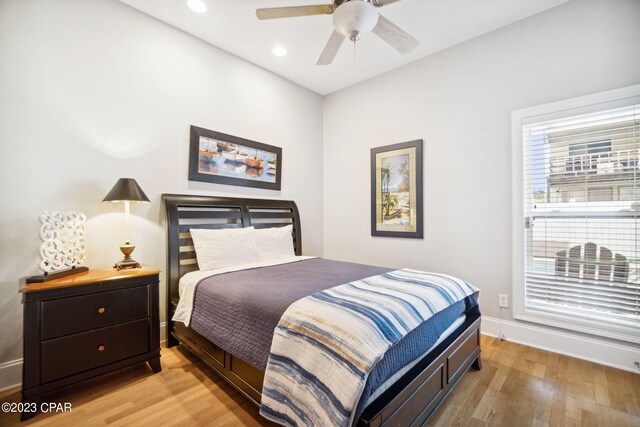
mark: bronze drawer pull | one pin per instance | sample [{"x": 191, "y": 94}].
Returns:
[
  {"x": 101, "y": 310},
  {"x": 101, "y": 347}
]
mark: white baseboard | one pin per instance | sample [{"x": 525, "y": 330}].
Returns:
[
  {"x": 163, "y": 332},
  {"x": 11, "y": 372},
  {"x": 581, "y": 347}
]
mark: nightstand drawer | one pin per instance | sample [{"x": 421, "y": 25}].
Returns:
[
  {"x": 81, "y": 313},
  {"x": 73, "y": 354}
]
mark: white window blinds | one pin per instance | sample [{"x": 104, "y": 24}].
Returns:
[{"x": 581, "y": 194}]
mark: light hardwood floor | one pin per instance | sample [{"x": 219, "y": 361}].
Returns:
[{"x": 518, "y": 386}]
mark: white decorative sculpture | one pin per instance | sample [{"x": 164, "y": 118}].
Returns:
[{"x": 63, "y": 244}]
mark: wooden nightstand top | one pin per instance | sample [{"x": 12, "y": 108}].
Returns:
[{"x": 89, "y": 277}]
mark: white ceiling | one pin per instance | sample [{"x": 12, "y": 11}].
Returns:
[{"x": 437, "y": 24}]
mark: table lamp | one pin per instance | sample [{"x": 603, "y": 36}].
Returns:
[{"x": 126, "y": 191}]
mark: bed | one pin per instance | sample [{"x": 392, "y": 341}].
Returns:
[{"x": 409, "y": 397}]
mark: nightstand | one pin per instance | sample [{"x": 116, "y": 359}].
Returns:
[{"x": 88, "y": 324}]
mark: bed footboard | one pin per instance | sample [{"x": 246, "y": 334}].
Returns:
[{"x": 418, "y": 394}]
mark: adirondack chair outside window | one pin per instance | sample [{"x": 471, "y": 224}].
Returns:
[{"x": 592, "y": 263}]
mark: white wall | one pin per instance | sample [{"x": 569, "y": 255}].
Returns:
[
  {"x": 459, "y": 101},
  {"x": 94, "y": 91}
]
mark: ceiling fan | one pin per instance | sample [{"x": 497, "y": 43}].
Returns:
[{"x": 351, "y": 18}]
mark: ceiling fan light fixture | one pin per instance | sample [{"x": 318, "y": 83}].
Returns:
[
  {"x": 354, "y": 18},
  {"x": 198, "y": 6},
  {"x": 279, "y": 51}
]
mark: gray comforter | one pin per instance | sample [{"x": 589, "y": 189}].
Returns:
[{"x": 239, "y": 311}]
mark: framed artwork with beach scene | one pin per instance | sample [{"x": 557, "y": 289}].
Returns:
[
  {"x": 396, "y": 190},
  {"x": 226, "y": 159}
]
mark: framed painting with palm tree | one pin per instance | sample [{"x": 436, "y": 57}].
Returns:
[{"x": 396, "y": 190}]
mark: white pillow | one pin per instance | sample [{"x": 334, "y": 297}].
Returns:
[
  {"x": 274, "y": 243},
  {"x": 225, "y": 248}
]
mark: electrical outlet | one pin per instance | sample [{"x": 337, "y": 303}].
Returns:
[{"x": 503, "y": 300}]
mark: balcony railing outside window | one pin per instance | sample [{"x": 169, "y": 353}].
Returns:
[{"x": 622, "y": 161}]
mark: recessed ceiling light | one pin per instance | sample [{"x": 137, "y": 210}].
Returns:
[
  {"x": 197, "y": 6},
  {"x": 279, "y": 51}
]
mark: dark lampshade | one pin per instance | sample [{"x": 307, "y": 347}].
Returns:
[{"x": 126, "y": 190}]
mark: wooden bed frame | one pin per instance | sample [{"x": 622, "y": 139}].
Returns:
[{"x": 410, "y": 401}]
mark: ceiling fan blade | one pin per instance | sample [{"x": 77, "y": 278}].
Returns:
[
  {"x": 394, "y": 36},
  {"x": 330, "y": 49},
  {"x": 380, "y": 3},
  {"x": 290, "y": 12}
]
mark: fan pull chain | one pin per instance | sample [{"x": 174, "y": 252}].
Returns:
[{"x": 354, "y": 52}]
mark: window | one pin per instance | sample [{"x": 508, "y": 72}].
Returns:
[
  {"x": 576, "y": 214},
  {"x": 589, "y": 148}
]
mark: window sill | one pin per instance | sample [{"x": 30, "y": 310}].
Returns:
[{"x": 627, "y": 333}]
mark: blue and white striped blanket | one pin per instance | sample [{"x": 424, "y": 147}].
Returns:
[{"x": 326, "y": 344}]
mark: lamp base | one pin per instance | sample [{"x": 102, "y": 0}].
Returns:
[{"x": 127, "y": 262}]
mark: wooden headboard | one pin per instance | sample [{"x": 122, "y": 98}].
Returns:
[{"x": 189, "y": 211}]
